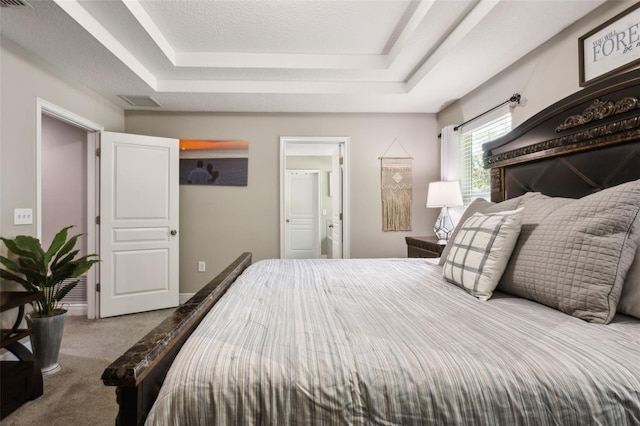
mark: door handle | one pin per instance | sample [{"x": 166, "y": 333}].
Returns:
[
  {"x": 173, "y": 232},
  {"x": 331, "y": 226}
]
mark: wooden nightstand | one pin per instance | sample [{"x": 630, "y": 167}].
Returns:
[
  {"x": 21, "y": 379},
  {"x": 423, "y": 247}
]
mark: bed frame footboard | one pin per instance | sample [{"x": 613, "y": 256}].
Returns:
[{"x": 140, "y": 371}]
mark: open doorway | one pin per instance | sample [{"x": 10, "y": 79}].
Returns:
[
  {"x": 110, "y": 196},
  {"x": 64, "y": 194},
  {"x": 320, "y": 228},
  {"x": 65, "y": 188}
]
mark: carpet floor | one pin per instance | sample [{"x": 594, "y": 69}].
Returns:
[{"x": 75, "y": 395}]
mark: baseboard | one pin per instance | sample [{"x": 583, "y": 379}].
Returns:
[
  {"x": 77, "y": 309},
  {"x": 184, "y": 297}
]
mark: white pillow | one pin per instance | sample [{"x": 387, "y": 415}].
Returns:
[{"x": 480, "y": 251}]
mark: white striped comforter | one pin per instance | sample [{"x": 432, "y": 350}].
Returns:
[{"x": 388, "y": 342}]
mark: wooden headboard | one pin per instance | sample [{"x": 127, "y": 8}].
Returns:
[{"x": 584, "y": 143}]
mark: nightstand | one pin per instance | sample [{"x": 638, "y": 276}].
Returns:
[
  {"x": 423, "y": 247},
  {"x": 21, "y": 379}
]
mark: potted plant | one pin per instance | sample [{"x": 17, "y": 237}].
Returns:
[{"x": 46, "y": 271}]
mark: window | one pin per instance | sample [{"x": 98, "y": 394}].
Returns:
[{"x": 475, "y": 181}]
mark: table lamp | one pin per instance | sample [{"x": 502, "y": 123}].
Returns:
[{"x": 444, "y": 194}]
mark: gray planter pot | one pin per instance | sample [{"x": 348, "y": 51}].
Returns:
[{"x": 46, "y": 336}]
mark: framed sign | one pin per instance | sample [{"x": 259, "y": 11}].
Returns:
[{"x": 610, "y": 47}]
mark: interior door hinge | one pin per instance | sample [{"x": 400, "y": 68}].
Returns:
[
  {"x": 341, "y": 161},
  {"x": 97, "y": 152},
  {"x": 340, "y": 216},
  {"x": 98, "y": 287},
  {"x": 97, "y": 220}
]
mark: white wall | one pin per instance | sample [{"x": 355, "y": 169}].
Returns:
[
  {"x": 218, "y": 223},
  {"x": 543, "y": 77}
]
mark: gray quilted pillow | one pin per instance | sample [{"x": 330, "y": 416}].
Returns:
[
  {"x": 629, "y": 303},
  {"x": 573, "y": 255}
]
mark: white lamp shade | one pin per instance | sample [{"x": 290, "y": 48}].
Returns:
[{"x": 444, "y": 194}]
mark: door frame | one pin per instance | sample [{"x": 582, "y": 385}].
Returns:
[
  {"x": 93, "y": 131},
  {"x": 318, "y": 140}
]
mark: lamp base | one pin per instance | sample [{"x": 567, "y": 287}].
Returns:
[{"x": 444, "y": 226}]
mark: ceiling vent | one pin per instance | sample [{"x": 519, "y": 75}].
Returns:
[
  {"x": 139, "y": 101},
  {"x": 14, "y": 3}
]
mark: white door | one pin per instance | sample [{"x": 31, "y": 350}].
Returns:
[
  {"x": 336, "y": 204},
  {"x": 302, "y": 215},
  {"x": 138, "y": 223}
]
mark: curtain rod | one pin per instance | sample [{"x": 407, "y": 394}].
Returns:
[{"x": 515, "y": 98}]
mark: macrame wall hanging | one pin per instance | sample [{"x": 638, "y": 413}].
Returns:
[{"x": 397, "y": 191}]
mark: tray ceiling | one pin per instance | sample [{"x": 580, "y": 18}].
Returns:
[{"x": 286, "y": 55}]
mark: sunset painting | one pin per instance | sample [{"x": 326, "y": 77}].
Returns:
[{"x": 214, "y": 162}]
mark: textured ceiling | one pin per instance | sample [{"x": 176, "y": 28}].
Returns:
[{"x": 287, "y": 55}]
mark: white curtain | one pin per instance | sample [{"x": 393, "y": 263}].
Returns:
[
  {"x": 450, "y": 163},
  {"x": 449, "y": 154}
]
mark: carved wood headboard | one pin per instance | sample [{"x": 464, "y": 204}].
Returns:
[{"x": 582, "y": 144}]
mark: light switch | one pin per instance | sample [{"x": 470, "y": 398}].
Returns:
[{"x": 22, "y": 216}]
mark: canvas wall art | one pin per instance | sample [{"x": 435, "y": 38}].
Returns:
[{"x": 214, "y": 162}]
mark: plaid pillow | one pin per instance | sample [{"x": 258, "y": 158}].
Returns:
[{"x": 480, "y": 251}]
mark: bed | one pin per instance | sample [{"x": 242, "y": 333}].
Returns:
[{"x": 547, "y": 333}]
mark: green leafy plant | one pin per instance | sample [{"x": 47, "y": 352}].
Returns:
[{"x": 37, "y": 270}]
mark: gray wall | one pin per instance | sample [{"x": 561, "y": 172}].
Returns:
[
  {"x": 23, "y": 80},
  {"x": 543, "y": 77},
  {"x": 218, "y": 223}
]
